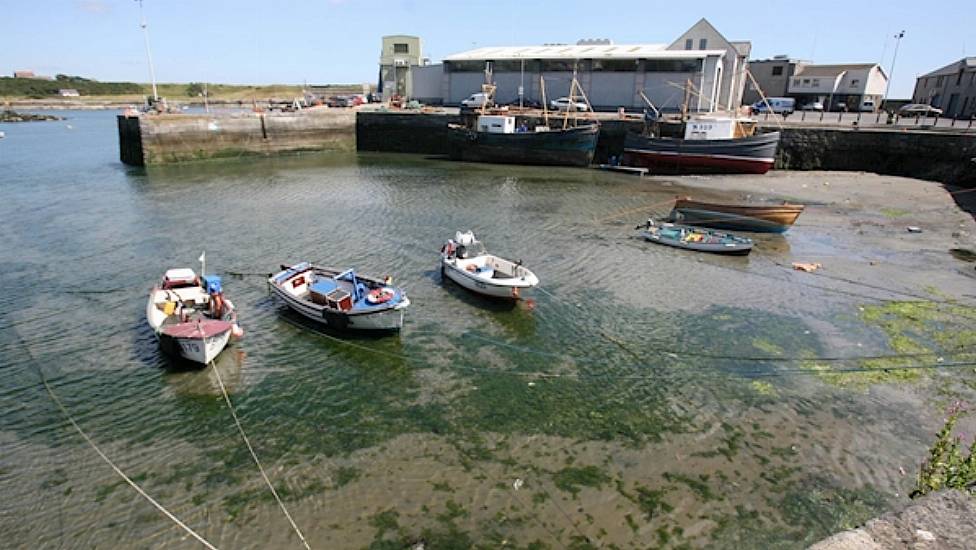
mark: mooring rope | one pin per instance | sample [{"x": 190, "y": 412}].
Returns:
[
  {"x": 108, "y": 461},
  {"x": 254, "y": 455}
]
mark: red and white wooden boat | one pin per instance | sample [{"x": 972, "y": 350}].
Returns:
[{"x": 190, "y": 316}]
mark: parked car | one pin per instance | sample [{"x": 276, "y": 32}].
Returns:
[
  {"x": 840, "y": 107},
  {"x": 564, "y": 104},
  {"x": 778, "y": 105},
  {"x": 919, "y": 110},
  {"x": 813, "y": 106},
  {"x": 475, "y": 101},
  {"x": 868, "y": 106}
]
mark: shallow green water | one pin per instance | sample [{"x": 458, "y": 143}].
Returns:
[{"x": 626, "y": 394}]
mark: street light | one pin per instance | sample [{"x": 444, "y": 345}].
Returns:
[{"x": 891, "y": 73}]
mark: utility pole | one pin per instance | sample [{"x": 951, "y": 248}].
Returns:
[
  {"x": 145, "y": 33},
  {"x": 891, "y": 73}
]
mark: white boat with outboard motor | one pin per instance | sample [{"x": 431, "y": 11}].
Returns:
[
  {"x": 341, "y": 300},
  {"x": 465, "y": 261},
  {"x": 190, "y": 316}
]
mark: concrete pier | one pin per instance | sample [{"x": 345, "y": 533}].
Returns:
[
  {"x": 939, "y": 156},
  {"x": 159, "y": 139}
]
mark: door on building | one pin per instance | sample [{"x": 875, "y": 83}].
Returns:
[{"x": 950, "y": 109}]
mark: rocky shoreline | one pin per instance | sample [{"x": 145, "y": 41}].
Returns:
[{"x": 12, "y": 116}]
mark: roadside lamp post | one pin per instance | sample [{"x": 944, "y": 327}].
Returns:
[{"x": 891, "y": 72}]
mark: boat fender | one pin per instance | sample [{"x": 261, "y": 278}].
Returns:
[
  {"x": 335, "y": 319},
  {"x": 236, "y": 331},
  {"x": 380, "y": 295},
  {"x": 471, "y": 268}
]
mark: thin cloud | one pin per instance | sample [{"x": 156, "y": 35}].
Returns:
[{"x": 94, "y": 6}]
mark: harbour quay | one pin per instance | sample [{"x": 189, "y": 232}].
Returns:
[{"x": 167, "y": 138}]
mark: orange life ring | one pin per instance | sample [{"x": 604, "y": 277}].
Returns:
[{"x": 380, "y": 295}]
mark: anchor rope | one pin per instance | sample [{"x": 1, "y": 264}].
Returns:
[
  {"x": 254, "y": 455},
  {"x": 104, "y": 457}
]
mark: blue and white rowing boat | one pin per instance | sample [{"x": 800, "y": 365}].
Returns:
[{"x": 340, "y": 299}]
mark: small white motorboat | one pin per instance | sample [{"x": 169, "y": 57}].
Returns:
[
  {"x": 465, "y": 261},
  {"x": 190, "y": 316},
  {"x": 341, "y": 299}
]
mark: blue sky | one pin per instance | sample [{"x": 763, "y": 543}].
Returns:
[{"x": 338, "y": 41}]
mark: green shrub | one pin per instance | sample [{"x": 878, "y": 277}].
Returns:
[{"x": 946, "y": 467}]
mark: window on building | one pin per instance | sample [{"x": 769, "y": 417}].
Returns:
[
  {"x": 672, "y": 65},
  {"x": 557, "y": 65},
  {"x": 464, "y": 66},
  {"x": 689, "y": 44},
  {"x": 796, "y": 81},
  {"x": 508, "y": 66},
  {"x": 615, "y": 65},
  {"x": 703, "y": 44},
  {"x": 778, "y": 71},
  {"x": 940, "y": 81},
  {"x": 806, "y": 81},
  {"x": 855, "y": 82},
  {"x": 401, "y": 48},
  {"x": 816, "y": 82}
]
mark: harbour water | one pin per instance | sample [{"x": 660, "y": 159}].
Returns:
[{"x": 642, "y": 397}]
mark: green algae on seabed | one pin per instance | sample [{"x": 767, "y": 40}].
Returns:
[
  {"x": 894, "y": 212},
  {"x": 810, "y": 509},
  {"x": 924, "y": 333},
  {"x": 573, "y": 479}
]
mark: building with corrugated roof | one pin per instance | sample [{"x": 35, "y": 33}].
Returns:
[
  {"x": 611, "y": 75},
  {"x": 951, "y": 88}
]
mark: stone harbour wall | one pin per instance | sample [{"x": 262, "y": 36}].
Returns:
[{"x": 177, "y": 138}]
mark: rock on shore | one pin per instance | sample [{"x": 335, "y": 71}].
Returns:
[
  {"x": 13, "y": 116},
  {"x": 941, "y": 520}
]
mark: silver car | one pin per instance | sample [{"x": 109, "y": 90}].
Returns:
[
  {"x": 919, "y": 110},
  {"x": 564, "y": 104}
]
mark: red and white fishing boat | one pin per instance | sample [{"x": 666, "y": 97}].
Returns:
[{"x": 190, "y": 316}]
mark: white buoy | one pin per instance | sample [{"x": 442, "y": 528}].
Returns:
[{"x": 2, "y": 135}]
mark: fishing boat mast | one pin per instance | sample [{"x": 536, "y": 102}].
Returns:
[{"x": 145, "y": 33}]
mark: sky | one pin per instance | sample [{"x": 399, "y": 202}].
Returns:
[{"x": 338, "y": 41}]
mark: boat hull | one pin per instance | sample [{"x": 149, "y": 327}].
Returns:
[
  {"x": 570, "y": 147},
  {"x": 199, "y": 350},
  {"x": 199, "y": 342},
  {"x": 748, "y": 155},
  {"x": 387, "y": 317},
  {"x": 511, "y": 289},
  {"x": 729, "y": 250},
  {"x": 760, "y": 219}
]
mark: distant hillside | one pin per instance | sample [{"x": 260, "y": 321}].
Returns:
[
  {"x": 35, "y": 88},
  {"x": 40, "y": 88}
]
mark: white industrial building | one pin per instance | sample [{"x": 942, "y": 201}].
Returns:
[
  {"x": 857, "y": 86},
  {"x": 611, "y": 75}
]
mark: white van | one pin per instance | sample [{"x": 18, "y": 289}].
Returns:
[
  {"x": 780, "y": 105},
  {"x": 475, "y": 101},
  {"x": 868, "y": 106}
]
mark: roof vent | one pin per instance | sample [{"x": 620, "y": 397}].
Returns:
[{"x": 594, "y": 42}]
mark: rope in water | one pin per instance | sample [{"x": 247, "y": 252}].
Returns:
[
  {"x": 254, "y": 455},
  {"x": 108, "y": 461}
]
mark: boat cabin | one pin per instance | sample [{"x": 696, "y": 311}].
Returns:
[
  {"x": 496, "y": 124},
  {"x": 718, "y": 127}
]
